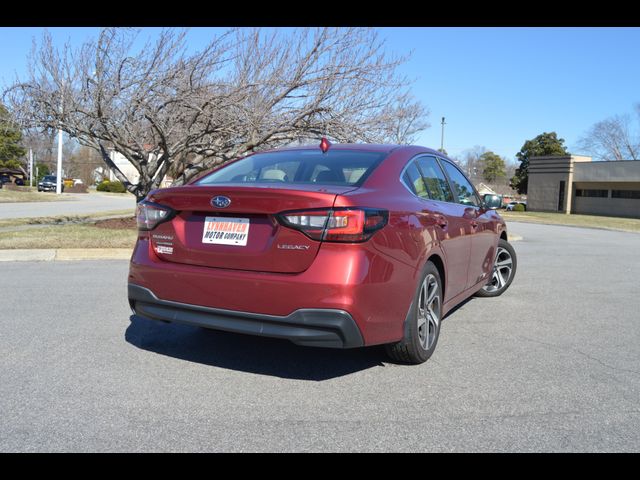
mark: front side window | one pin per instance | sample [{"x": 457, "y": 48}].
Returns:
[
  {"x": 464, "y": 192},
  {"x": 335, "y": 167}
]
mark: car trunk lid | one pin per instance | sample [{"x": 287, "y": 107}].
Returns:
[{"x": 245, "y": 235}]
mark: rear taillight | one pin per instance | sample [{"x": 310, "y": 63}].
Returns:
[
  {"x": 338, "y": 224},
  {"x": 149, "y": 215}
]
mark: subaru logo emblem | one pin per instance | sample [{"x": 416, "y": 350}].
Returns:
[{"x": 221, "y": 201}]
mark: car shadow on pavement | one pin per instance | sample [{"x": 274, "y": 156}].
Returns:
[{"x": 261, "y": 355}]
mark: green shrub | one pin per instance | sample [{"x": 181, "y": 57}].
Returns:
[
  {"x": 117, "y": 187},
  {"x": 519, "y": 208},
  {"x": 103, "y": 186}
]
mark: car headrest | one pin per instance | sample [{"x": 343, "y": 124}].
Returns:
[
  {"x": 328, "y": 176},
  {"x": 274, "y": 174}
]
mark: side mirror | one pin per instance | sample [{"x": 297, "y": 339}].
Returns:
[{"x": 492, "y": 202}]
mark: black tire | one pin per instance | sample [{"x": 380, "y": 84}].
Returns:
[
  {"x": 415, "y": 347},
  {"x": 500, "y": 280}
]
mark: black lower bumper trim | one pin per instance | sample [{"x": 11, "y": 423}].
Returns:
[{"x": 307, "y": 326}]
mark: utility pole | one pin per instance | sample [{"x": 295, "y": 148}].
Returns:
[
  {"x": 30, "y": 168},
  {"x": 442, "y": 136},
  {"x": 59, "y": 169}
]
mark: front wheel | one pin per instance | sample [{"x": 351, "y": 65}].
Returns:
[
  {"x": 504, "y": 269},
  {"x": 423, "y": 323}
]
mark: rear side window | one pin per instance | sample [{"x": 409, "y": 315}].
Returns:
[
  {"x": 336, "y": 167},
  {"x": 413, "y": 180},
  {"x": 435, "y": 179}
]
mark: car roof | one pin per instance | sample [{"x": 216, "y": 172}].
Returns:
[{"x": 363, "y": 147}]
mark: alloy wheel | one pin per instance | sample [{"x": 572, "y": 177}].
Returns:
[
  {"x": 502, "y": 270},
  {"x": 429, "y": 308}
]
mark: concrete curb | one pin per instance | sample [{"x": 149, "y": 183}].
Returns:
[
  {"x": 27, "y": 255},
  {"x": 64, "y": 254}
]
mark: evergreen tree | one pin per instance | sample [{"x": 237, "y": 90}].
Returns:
[
  {"x": 544, "y": 144},
  {"x": 10, "y": 138},
  {"x": 493, "y": 167}
]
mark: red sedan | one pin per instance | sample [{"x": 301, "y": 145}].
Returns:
[{"x": 338, "y": 246}]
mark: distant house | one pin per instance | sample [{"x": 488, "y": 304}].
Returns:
[
  {"x": 484, "y": 189},
  {"x": 13, "y": 174},
  {"x": 126, "y": 168}
]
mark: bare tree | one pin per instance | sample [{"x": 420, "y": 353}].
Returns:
[
  {"x": 247, "y": 90},
  {"x": 611, "y": 139},
  {"x": 85, "y": 163},
  {"x": 472, "y": 162}
]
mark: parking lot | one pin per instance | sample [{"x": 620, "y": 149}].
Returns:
[{"x": 552, "y": 365}]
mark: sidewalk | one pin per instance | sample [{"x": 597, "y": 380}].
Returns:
[{"x": 62, "y": 254}]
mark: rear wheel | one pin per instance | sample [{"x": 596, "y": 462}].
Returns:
[
  {"x": 504, "y": 269},
  {"x": 423, "y": 324}
]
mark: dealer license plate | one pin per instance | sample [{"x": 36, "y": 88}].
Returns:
[{"x": 226, "y": 231}]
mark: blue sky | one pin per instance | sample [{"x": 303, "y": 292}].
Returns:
[{"x": 497, "y": 87}]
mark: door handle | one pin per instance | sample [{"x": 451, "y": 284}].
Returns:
[{"x": 474, "y": 224}]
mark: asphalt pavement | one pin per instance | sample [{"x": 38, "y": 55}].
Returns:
[
  {"x": 73, "y": 204},
  {"x": 551, "y": 365}
]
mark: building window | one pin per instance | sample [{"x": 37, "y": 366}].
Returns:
[
  {"x": 591, "y": 193},
  {"x": 625, "y": 194},
  {"x": 561, "y": 196}
]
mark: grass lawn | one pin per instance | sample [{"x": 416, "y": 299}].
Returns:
[
  {"x": 68, "y": 236},
  {"x": 593, "y": 221},
  {"x": 15, "y": 222},
  {"x": 14, "y": 196}
]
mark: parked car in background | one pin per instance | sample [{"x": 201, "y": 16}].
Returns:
[
  {"x": 48, "y": 184},
  {"x": 511, "y": 205},
  {"x": 341, "y": 247}
]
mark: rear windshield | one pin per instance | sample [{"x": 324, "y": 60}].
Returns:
[{"x": 336, "y": 167}]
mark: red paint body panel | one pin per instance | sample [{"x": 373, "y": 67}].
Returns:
[
  {"x": 373, "y": 281},
  {"x": 354, "y": 278},
  {"x": 258, "y": 204}
]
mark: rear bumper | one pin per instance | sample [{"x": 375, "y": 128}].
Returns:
[{"x": 309, "y": 327}]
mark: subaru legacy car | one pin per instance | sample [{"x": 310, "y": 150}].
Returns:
[{"x": 339, "y": 246}]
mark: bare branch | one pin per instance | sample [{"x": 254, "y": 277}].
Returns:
[
  {"x": 611, "y": 139},
  {"x": 166, "y": 110}
]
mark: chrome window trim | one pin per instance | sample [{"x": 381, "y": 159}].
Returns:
[{"x": 415, "y": 158}]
